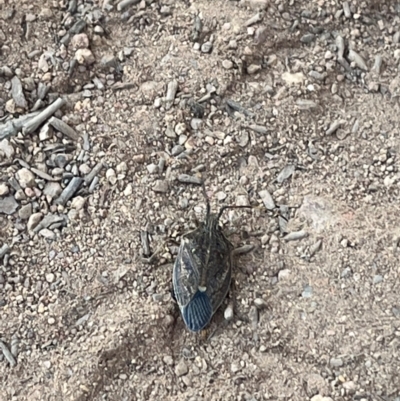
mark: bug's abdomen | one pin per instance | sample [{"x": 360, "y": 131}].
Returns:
[{"x": 198, "y": 312}]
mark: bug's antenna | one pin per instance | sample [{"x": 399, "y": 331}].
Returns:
[
  {"x": 208, "y": 210},
  {"x": 223, "y": 208}
]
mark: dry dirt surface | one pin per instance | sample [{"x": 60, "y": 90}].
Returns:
[{"x": 112, "y": 114}]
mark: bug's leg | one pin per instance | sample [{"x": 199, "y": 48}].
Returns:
[
  {"x": 207, "y": 200},
  {"x": 172, "y": 292},
  {"x": 153, "y": 256}
]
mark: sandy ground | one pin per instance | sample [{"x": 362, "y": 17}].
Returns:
[{"x": 317, "y": 307}]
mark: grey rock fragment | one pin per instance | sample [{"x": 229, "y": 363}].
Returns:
[
  {"x": 196, "y": 123},
  {"x": 126, "y": 3},
  {"x": 7, "y": 149},
  {"x": 3, "y": 250},
  {"x": 307, "y": 292},
  {"x": 69, "y": 191},
  {"x": 49, "y": 221},
  {"x": 171, "y": 93},
  {"x": 334, "y": 127},
  {"x": 39, "y": 119},
  {"x": 25, "y": 212},
  {"x": 33, "y": 221},
  {"x": 52, "y": 189},
  {"x": 267, "y": 199},
  {"x": 4, "y": 190},
  {"x": 285, "y": 173},
  {"x": 254, "y": 19},
  {"x": 243, "y": 249},
  {"x": 315, "y": 247},
  {"x": 12, "y": 127},
  {"x": 64, "y": 128},
  {"x": 48, "y": 234},
  {"x": 25, "y": 178},
  {"x": 7, "y": 354},
  {"x": 307, "y": 38},
  {"x": 96, "y": 170},
  {"x": 189, "y": 179},
  {"x": 206, "y": 47},
  {"x": 228, "y": 312},
  {"x": 260, "y": 129},
  {"x": 356, "y": 58},
  {"x": 18, "y": 94},
  {"x": 8, "y": 205},
  {"x": 161, "y": 186},
  {"x": 336, "y": 362},
  {"x": 305, "y": 104},
  {"x": 181, "y": 368},
  {"x": 253, "y": 316},
  {"x": 296, "y": 236},
  {"x": 346, "y": 9}
]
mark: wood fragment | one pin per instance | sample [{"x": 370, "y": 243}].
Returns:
[{"x": 35, "y": 122}]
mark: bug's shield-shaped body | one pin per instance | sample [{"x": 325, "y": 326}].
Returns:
[{"x": 202, "y": 273}]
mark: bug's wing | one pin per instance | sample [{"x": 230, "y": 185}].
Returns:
[
  {"x": 220, "y": 270},
  {"x": 186, "y": 274},
  {"x": 197, "y": 314}
]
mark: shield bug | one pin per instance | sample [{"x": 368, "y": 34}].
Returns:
[{"x": 202, "y": 270}]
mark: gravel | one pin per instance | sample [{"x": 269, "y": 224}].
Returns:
[{"x": 113, "y": 114}]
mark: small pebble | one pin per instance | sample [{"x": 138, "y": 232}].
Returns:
[
  {"x": 181, "y": 368},
  {"x": 336, "y": 362}
]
